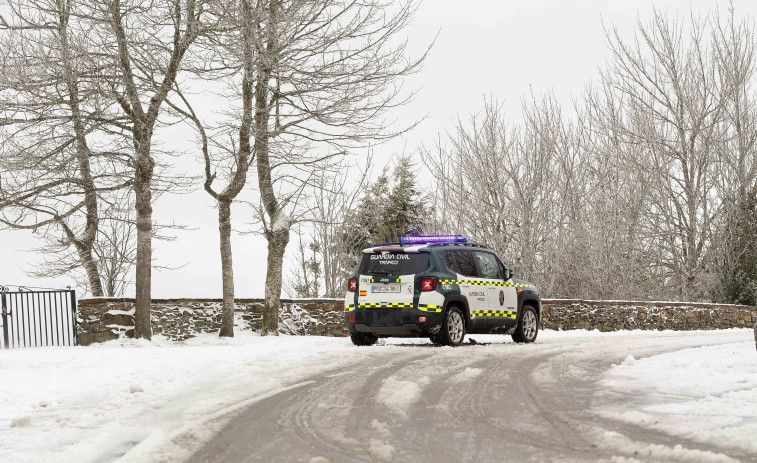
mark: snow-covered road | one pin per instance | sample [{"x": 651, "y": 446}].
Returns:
[{"x": 659, "y": 396}]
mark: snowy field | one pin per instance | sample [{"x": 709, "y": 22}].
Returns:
[{"x": 128, "y": 400}]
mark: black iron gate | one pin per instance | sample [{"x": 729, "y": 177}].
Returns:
[{"x": 35, "y": 318}]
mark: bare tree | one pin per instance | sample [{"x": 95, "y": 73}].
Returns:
[
  {"x": 670, "y": 129},
  {"x": 116, "y": 246},
  {"x": 228, "y": 55},
  {"x": 626, "y": 201},
  {"x": 735, "y": 55},
  {"x": 734, "y": 48},
  {"x": 605, "y": 255},
  {"x": 151, "y": 40},
  {"x": 673, "y": 107},
  {"x": 334, "y": 199},
  {"x": 509, "y": 186},
  {"x": 114, "y": 250},
  {"x": 325, "y": 74},
  {"x": 334, "y": 202},
  {"x": 59, "y": 137},
  {"x": 305, "y": 279}
]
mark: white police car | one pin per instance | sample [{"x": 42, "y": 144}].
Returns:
[{"x": 441, "y": 287}]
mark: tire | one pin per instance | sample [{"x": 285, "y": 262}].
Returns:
[
  {"x": 453, "y": 328},
  {"x": 363, "y": 339},
  {"x": 528, "y": 325}
]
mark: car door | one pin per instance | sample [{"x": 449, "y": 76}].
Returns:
[
  {"x": 463, "y": 263},
  {"x": 491, "y": 282},
  {"x": 508, "y": 296},
  {"x": 501, "y": 298}
]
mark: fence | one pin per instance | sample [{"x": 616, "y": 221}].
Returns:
[{"x": 32, "y": 318}]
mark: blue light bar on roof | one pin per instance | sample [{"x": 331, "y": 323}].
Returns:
[{"x": 434, "y": 239}]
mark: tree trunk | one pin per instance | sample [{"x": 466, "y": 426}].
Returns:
[
  {"x": 90, "y": 266},
  {"x": 278, "y": 235},
  {"x": 239, "y": 174},
  {"x": 278, "y": 238},
  {"x": 88, "y": 236},
  {"x": 186, "y": 17},
  {"x": 227, "y": 270},
  {"x": 143, "y": 191}
]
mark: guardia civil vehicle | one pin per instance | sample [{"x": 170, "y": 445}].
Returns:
[{"x": 441, "y": 287}]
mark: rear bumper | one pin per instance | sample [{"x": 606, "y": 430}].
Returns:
[
  {"x": 393, "y": 322},
  {"x": 409, "y": 329}
]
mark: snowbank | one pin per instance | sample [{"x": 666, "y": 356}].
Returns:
[
  {"x": 705, "y": 394},
  {"x": 93, "y": 404}
]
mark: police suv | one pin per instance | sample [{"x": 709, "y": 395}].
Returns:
[{"x": 441, "y": 287}]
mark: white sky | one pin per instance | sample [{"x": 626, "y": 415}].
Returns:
[{"x": 485, "y": 48}]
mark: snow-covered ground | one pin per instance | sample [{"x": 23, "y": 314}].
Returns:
[
  {"x": 93, "y": 404},
  {"x": 706, "y": 394},
  {"x": 129, "y": 399}
]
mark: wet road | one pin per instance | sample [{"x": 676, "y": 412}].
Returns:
[{"x": 475, "y": 403}]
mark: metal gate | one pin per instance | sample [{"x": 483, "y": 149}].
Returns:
[{"x": 32, "y": 318}]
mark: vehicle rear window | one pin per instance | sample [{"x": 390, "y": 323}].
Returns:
[
  {"x": 461, "y": 262},
  {"x": 393, "y": 263}
]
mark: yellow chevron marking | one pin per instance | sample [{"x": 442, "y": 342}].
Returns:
[
  {"x": 391, "y": 305},
  {"x": 485, "y": 283},
  {"x": 493, "y": 313},
  {"x": 429, "y": 308}
]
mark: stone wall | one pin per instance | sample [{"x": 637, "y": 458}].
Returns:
[
  {"x": 103, "y": 319},
  {"x": 571, "y": 314}
]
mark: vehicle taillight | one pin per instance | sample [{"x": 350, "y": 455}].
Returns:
[
  {"x": 351, "y": 319},
  {"x": 353, "y": 285},
  {"x": 428, "y": 284}
]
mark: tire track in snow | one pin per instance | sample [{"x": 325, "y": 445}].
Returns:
[{"x": 486, "y": 402}]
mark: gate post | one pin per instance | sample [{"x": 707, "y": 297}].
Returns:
[
  {"x": 72, "y": 293},
  {"x": 5, "y": 320}
]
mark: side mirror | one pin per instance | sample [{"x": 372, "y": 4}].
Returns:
[{"x": 508, "y": 274}]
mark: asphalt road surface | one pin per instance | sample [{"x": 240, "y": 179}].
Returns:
[{"x": 475, "y": 403}]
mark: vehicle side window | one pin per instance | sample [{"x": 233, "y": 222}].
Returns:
[
  {"x": 488, "y": 265},
  {"x": 449, "y": 259},
  {"x": 461, "y": 262},
  {"x": 502, "y": 268}
]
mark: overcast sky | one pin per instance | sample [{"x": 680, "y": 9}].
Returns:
[{"x": 485, "y": 48}]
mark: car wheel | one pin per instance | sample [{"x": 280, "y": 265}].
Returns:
[
  {"x": 363, "y": 339},
  {"x": 528, "y": 326},
  {"x": 453, "y": 328}
]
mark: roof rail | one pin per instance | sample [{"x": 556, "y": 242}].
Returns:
[
  {"x": 475, "y": 245},
  {"x": 469, "y": 243}
]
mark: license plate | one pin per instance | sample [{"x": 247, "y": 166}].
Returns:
[{"x": 385, "y": 288}]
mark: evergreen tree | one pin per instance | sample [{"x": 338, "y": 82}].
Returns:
[
  {"x": 389, "y": 209},
  {"x": 405, "y": 212},
  {"x": 737, "y": 263}
]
